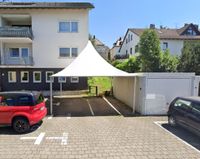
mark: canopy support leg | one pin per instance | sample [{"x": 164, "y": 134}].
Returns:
[{"x": 51, "y": 96}]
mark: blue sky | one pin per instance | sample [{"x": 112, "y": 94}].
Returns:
[{"x": 111, "y": 18}]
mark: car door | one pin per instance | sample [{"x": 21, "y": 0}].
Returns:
[
  {"x": 194, "y": 116},
  {"x": 6, "y": 109}
]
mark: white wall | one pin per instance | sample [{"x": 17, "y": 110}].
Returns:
[
  {"x": 174, "y": 46},
  {"x": 123, "y": 89},
  {"x": 130, "y": 44},
  {"x": 47, "y": 39},
  {"x": 114, "y": 51}
]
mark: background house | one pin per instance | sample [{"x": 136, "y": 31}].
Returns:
[
  {"x": 114, "y": 51},
  {"x": 101, "y": 48},
  {"x": 38, "y": 40},
  {"x": 172, "y": 39}
]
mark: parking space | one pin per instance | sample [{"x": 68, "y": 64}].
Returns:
[
  {"x": 95, "y": 137},
  {"x": 91, "y": 106}
]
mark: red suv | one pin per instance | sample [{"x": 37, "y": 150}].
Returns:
[{"x": 21, "y": 110}]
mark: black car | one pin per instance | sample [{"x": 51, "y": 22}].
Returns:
[{"x": 185, "y": 111}]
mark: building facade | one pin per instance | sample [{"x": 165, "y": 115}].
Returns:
[
  {"x": 172, "y": 39},
  {"x": 38, "y": 40}
]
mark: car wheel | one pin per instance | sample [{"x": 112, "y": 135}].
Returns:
[
  {"x": 172, "y": 120},
  {"x": 21, "y": 125}
]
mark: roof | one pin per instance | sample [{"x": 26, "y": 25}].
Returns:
[
  {"x": 90, "y": 64},
  {"x": 175, "y": 34},
  {"x": 192, "y": 98},
  {"x": 16, "y": 32},
  {"x": 45, "y": 5},
  {"x": 32, "y": 93}
]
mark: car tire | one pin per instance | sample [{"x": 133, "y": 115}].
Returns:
[
  {"x": 172, "y": 121},
  {"x": 21, "y": 125}
]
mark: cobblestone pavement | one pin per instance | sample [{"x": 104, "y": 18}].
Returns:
[{"x": 112, "y": 137}]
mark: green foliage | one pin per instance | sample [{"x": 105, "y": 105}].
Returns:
[
  {"x": 103, "y": 83},
  {"x": 169, "y": 63},
  {"x": 190, "y": 58},
  {"x": 130, "y": 65},
  {"x": 150, "y": 51}
]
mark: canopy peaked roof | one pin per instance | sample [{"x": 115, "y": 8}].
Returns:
[{"x": 90, "y": 64}]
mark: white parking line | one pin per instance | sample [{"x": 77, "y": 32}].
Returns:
[
  {"x": 63, "y": 139},
  {"x": 39, "y": 138},
  {"x": 92, "y": 112},
  {"x": 158, "y": 123},
  {"x": 68, "y": 116},
  {"x": 49, "y": 118},
  {"x": 112, "y": 106}
]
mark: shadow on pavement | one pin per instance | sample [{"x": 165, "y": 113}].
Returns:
[{"x": 184, "y": 134}]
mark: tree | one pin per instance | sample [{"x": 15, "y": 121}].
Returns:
[
  {"x": 149, "y": 47},
  {"x": 190, "y": 57},
  {"x": 169, "y": 63}
]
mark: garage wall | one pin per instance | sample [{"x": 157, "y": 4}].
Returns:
[{"x": 123, "y": 89}]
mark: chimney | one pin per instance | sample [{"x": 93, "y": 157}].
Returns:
[
  {"x": 94, "y": 37},
  {"x": 152, "y": 26}
]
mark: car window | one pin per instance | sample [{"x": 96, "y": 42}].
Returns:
[
  {"x": 182, "y": 103},
  {"x": 7, "y": 101},
  {"x": 196, "y": 107},
  {"x": 25, "y": 100}
]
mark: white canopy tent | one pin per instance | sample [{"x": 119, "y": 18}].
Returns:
[{"x": 88, "y": 64}]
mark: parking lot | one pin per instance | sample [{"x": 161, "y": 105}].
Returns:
[{"x": 101, "y": 134}]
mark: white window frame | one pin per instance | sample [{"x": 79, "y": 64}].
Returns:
[
  {"x": 70, "y": 27},
  {"x": 61, "y": 81},
  {"x": 13, "y": 81},
  {"x": 74, "y": 81},
  {"x": 34, "y": 72},
  {"x": 21, "y": 74},
  {"x": 20, "y": 51},
  {"x": 65, "y": 48},
  {"x": 48, "y": 81}
]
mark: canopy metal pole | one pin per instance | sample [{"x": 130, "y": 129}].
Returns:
[
  {"x": 51, "y": 96},
  {"x": 60, "y": 88}
]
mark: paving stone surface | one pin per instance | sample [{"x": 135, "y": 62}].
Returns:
[{"x": 111, "y": 137}]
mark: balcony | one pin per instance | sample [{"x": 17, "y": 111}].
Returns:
[
  {"x": 21, "y": 61},
  {"x": 16, "y": 32}
]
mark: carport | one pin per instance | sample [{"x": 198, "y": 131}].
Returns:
[{"x": 88, "y": 64}]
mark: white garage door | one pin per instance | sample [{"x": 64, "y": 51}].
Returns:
[{"x": 160, "y": 92}]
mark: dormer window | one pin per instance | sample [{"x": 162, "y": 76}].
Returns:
[{"x": 190, "y": 31}]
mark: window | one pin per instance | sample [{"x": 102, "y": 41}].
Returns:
[
  {"x": 74, "y": 80},
  {"x": 12, "y": 77},
  {"x": 68, "y": 27},
  {"x": 74, "y": 52},
  {"x": 74, "y": 27},
  {"x": 24, "y": 52},
  {"x": 48, "y": 74},
  {"x": 14, "y": 52},
  {"x": 136, "y": 48},
  {"x": 190, "y": 31},
  {"x": 64, "y": 52},
  {"x": 131, "y": 37},
  {"x": 165, "y": 45},
  {"x": 131, "y": 51},
  {"x": 25, "y": 101},
  {"x": 196, "y": 107},
  {"x": 64, "y": 26},
  {"x": 182, "y": 103},
  {"x": 126, "y": 52},
  {"x": 37, "y": 77},
  {"x": 61, "y": 79},
  {"x": 24, "y": 76}
]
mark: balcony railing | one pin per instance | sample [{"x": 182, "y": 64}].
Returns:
[
  {"x": 24, "y": 61},
  {"x": 24, "y": 32}
]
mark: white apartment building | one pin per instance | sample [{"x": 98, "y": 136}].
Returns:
[
  {"x": 172, "y": 39},
  {"x": 39, "y": 39}
]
